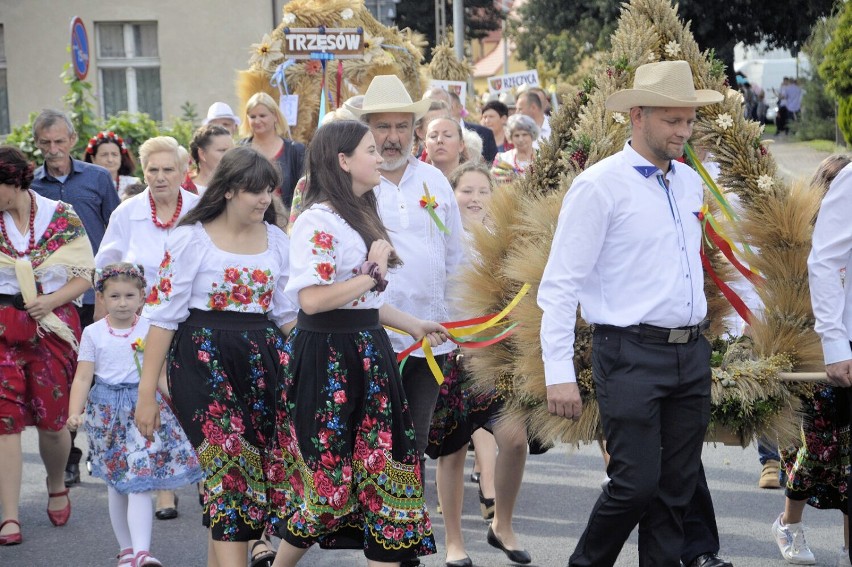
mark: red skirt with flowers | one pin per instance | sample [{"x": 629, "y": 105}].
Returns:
[
  {"x": 35, "y": 371},
  {"x": 346, "y": 436},
  {"x": 223, "y": 373}
]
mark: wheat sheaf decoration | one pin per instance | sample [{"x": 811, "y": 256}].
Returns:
[
  {"x": 387, "y": 51},
  {"x": 748, "y": 398}
]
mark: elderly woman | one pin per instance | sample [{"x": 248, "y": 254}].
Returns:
[
  {"x": 523, "y": 131},
  {"x": 109, "y": 151},
  {"x": 209, "y": 144},
  {"x": 138, "y": 229},
  {"x": 268, "y": 133},
  {"x": 45, "y": 263}
]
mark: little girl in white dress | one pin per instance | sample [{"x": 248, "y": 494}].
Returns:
[{"x": 110, "y": 354}]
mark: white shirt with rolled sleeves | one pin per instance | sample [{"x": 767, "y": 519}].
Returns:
[
  {"x": 627, "y": 250},
  {"x": 831, "y": 251},
  {"x": 430, "y": 256}
]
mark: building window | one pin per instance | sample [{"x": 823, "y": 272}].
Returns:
[
  {"x": 4, "y": 91},
  {"x": 129, "y": 68}
]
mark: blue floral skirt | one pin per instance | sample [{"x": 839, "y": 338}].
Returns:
[
  {"x": 124, "y": 459},
  {"x": 347, "y": 439},
  {"x": 224, "y": 369}
]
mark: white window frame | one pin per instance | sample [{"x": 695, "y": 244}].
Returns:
[{"x": 130, "y": 62}]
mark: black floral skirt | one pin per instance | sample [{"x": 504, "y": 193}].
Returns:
[
  {"x": 459, "y": 411},
  {"x": 224, "y": 369},
  {"x": 347, "y": 440},
  {"x": 818, "y": 470}
]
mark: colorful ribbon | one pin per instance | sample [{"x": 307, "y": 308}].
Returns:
[
  {"x": 462, "y": 333},
  {"x": 429, "y": 203},
  {"x": 339, "y": 82},
  {"x": 738, "y": 304},
  {"x": 279, "y": 79},
  {"x": 725, "y": 245}
]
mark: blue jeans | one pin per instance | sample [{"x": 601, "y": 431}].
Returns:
[{"x": 767, "y": 450}]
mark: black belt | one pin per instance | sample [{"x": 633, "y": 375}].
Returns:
[
  {"x": 16, "y": 301},
  {"x": 678, "y": 335}
]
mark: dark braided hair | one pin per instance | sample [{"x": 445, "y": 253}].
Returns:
[{"x": 15, "y": 169}]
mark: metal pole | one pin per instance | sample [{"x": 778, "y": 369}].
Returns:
[
  {"x": 505, "y": 50},
  {"x": 458, "y": 28},
  {"x": 438, "y": 21}
]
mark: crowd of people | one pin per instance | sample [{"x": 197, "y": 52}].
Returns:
[{"x": 235, "y": 321}]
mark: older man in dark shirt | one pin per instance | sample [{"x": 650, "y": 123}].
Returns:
[{"x": 86, "y": 187}]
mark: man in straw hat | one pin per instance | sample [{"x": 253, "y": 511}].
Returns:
[
  {"x": 430, "y": 255},
  {"x": 626, "y": 249}
]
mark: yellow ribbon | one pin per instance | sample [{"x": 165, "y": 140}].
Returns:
[{"x": 462, "y": 332}]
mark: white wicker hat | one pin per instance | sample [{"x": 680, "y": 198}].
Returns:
[
  {"x": 386, "y": 93},
  {"x": 666, "y": 84}
]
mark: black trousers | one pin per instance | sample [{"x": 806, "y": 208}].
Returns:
[
  {"x": 654, "y": 401},
  {"x": 421, "y": 391},
  {"x": 700, "y": 533}
]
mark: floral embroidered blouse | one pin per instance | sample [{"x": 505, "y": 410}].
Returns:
[
  {"x": 325, "y": 249},
  {"x": 195, "y": 274},
  {"x": 55, "y": 224}
]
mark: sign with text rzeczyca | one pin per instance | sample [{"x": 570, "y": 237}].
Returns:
[{"x": 323, "y": 43}]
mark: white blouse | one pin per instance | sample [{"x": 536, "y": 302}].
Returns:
[
  {"x": 113, "y": 355},
  {"x": 52, "y": 278},
  {"x": 131, "y": 235},
  {"x": 195, "y": 274},
  {"x": 325, "y": 249}
]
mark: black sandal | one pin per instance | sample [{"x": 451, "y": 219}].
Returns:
[{"x": 261, "y": 558}]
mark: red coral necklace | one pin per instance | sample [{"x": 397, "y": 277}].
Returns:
[
  {"x": 174, "y": 218},
  {"x": 30, "y": 226}
]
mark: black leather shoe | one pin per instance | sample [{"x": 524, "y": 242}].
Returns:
[
  {"x": 515, "y": 555},
  {"x": 710, "y": 560},
  {"x": 167, "y": 513},
  {"x": 466, "y": 562},
  {"x": 72, "y": 474}
]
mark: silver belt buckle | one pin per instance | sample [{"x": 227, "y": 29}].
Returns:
[{"x": 679, "y": 336}]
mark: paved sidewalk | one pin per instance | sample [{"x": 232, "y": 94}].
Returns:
[{"x": 796, "y": 160}]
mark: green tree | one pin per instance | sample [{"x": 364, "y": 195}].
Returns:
[
  {"x": 79, "y": 102},
  {"x": 544, "y": 25},
  {"x": 836, "y": 67},
  {"x": 480, "y": 17},
  {"x": 818, "y": 107}
]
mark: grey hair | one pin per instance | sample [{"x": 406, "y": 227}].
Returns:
[
  {"x": 165, "y": 144},
  {"x": 524, "y": 123},
  {"x": 48, "y": 118}
]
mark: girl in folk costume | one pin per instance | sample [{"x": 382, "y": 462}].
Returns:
[
  {"x": 45, "y": 263},
  {"x": 217, "y": 311},
  {"x": 344, "y": 429},
  {"x": 111, "y": 356}
]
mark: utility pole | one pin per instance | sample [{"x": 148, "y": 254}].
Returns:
[{"x": 458, "y": 28}]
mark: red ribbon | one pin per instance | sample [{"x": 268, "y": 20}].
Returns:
[
  {"x": 726, "y": 250},
  {"x": 735, "y": 301}
]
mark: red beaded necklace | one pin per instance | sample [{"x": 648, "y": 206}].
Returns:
[
  {"x": 119, "y": 335},
  {"x": 30, "y": 226},
  {"x": 174, "y": 218}
]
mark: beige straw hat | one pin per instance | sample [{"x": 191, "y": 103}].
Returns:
[
  {"x": 386, "y": 93},
  {"x": 667, "y": 84}
]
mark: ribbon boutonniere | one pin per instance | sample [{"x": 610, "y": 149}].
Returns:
[
  {"x": 138, "y": 347},
  {"x": 429, "y": 204}
]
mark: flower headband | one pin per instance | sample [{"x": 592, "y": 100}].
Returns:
[
  {"x": 103, "y": 138},
  {"x": 114, "y": 270}
]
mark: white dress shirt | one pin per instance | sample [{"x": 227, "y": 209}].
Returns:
[
  {"x": 429, "y": 255},
  {"x": 831, "y": 251},
  {"x": 543, "y": 133},
  {"x": 131, "y": 235},
  {"x": 627, "y": 250}
]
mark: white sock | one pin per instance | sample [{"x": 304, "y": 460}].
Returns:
[
  {"x": 140, "y": 519},
  {"x": 118, "y": 518}
]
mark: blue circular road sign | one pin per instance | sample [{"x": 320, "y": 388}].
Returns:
[{"x": 79, "y": 48}]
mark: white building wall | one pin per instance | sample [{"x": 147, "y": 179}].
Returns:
[{"x": 202, "y": 44}]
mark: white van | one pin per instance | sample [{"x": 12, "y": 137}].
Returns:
[{"x": 768, "y": 74}]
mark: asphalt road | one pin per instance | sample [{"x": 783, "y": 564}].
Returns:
[{"x": 559, "y": 489}]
